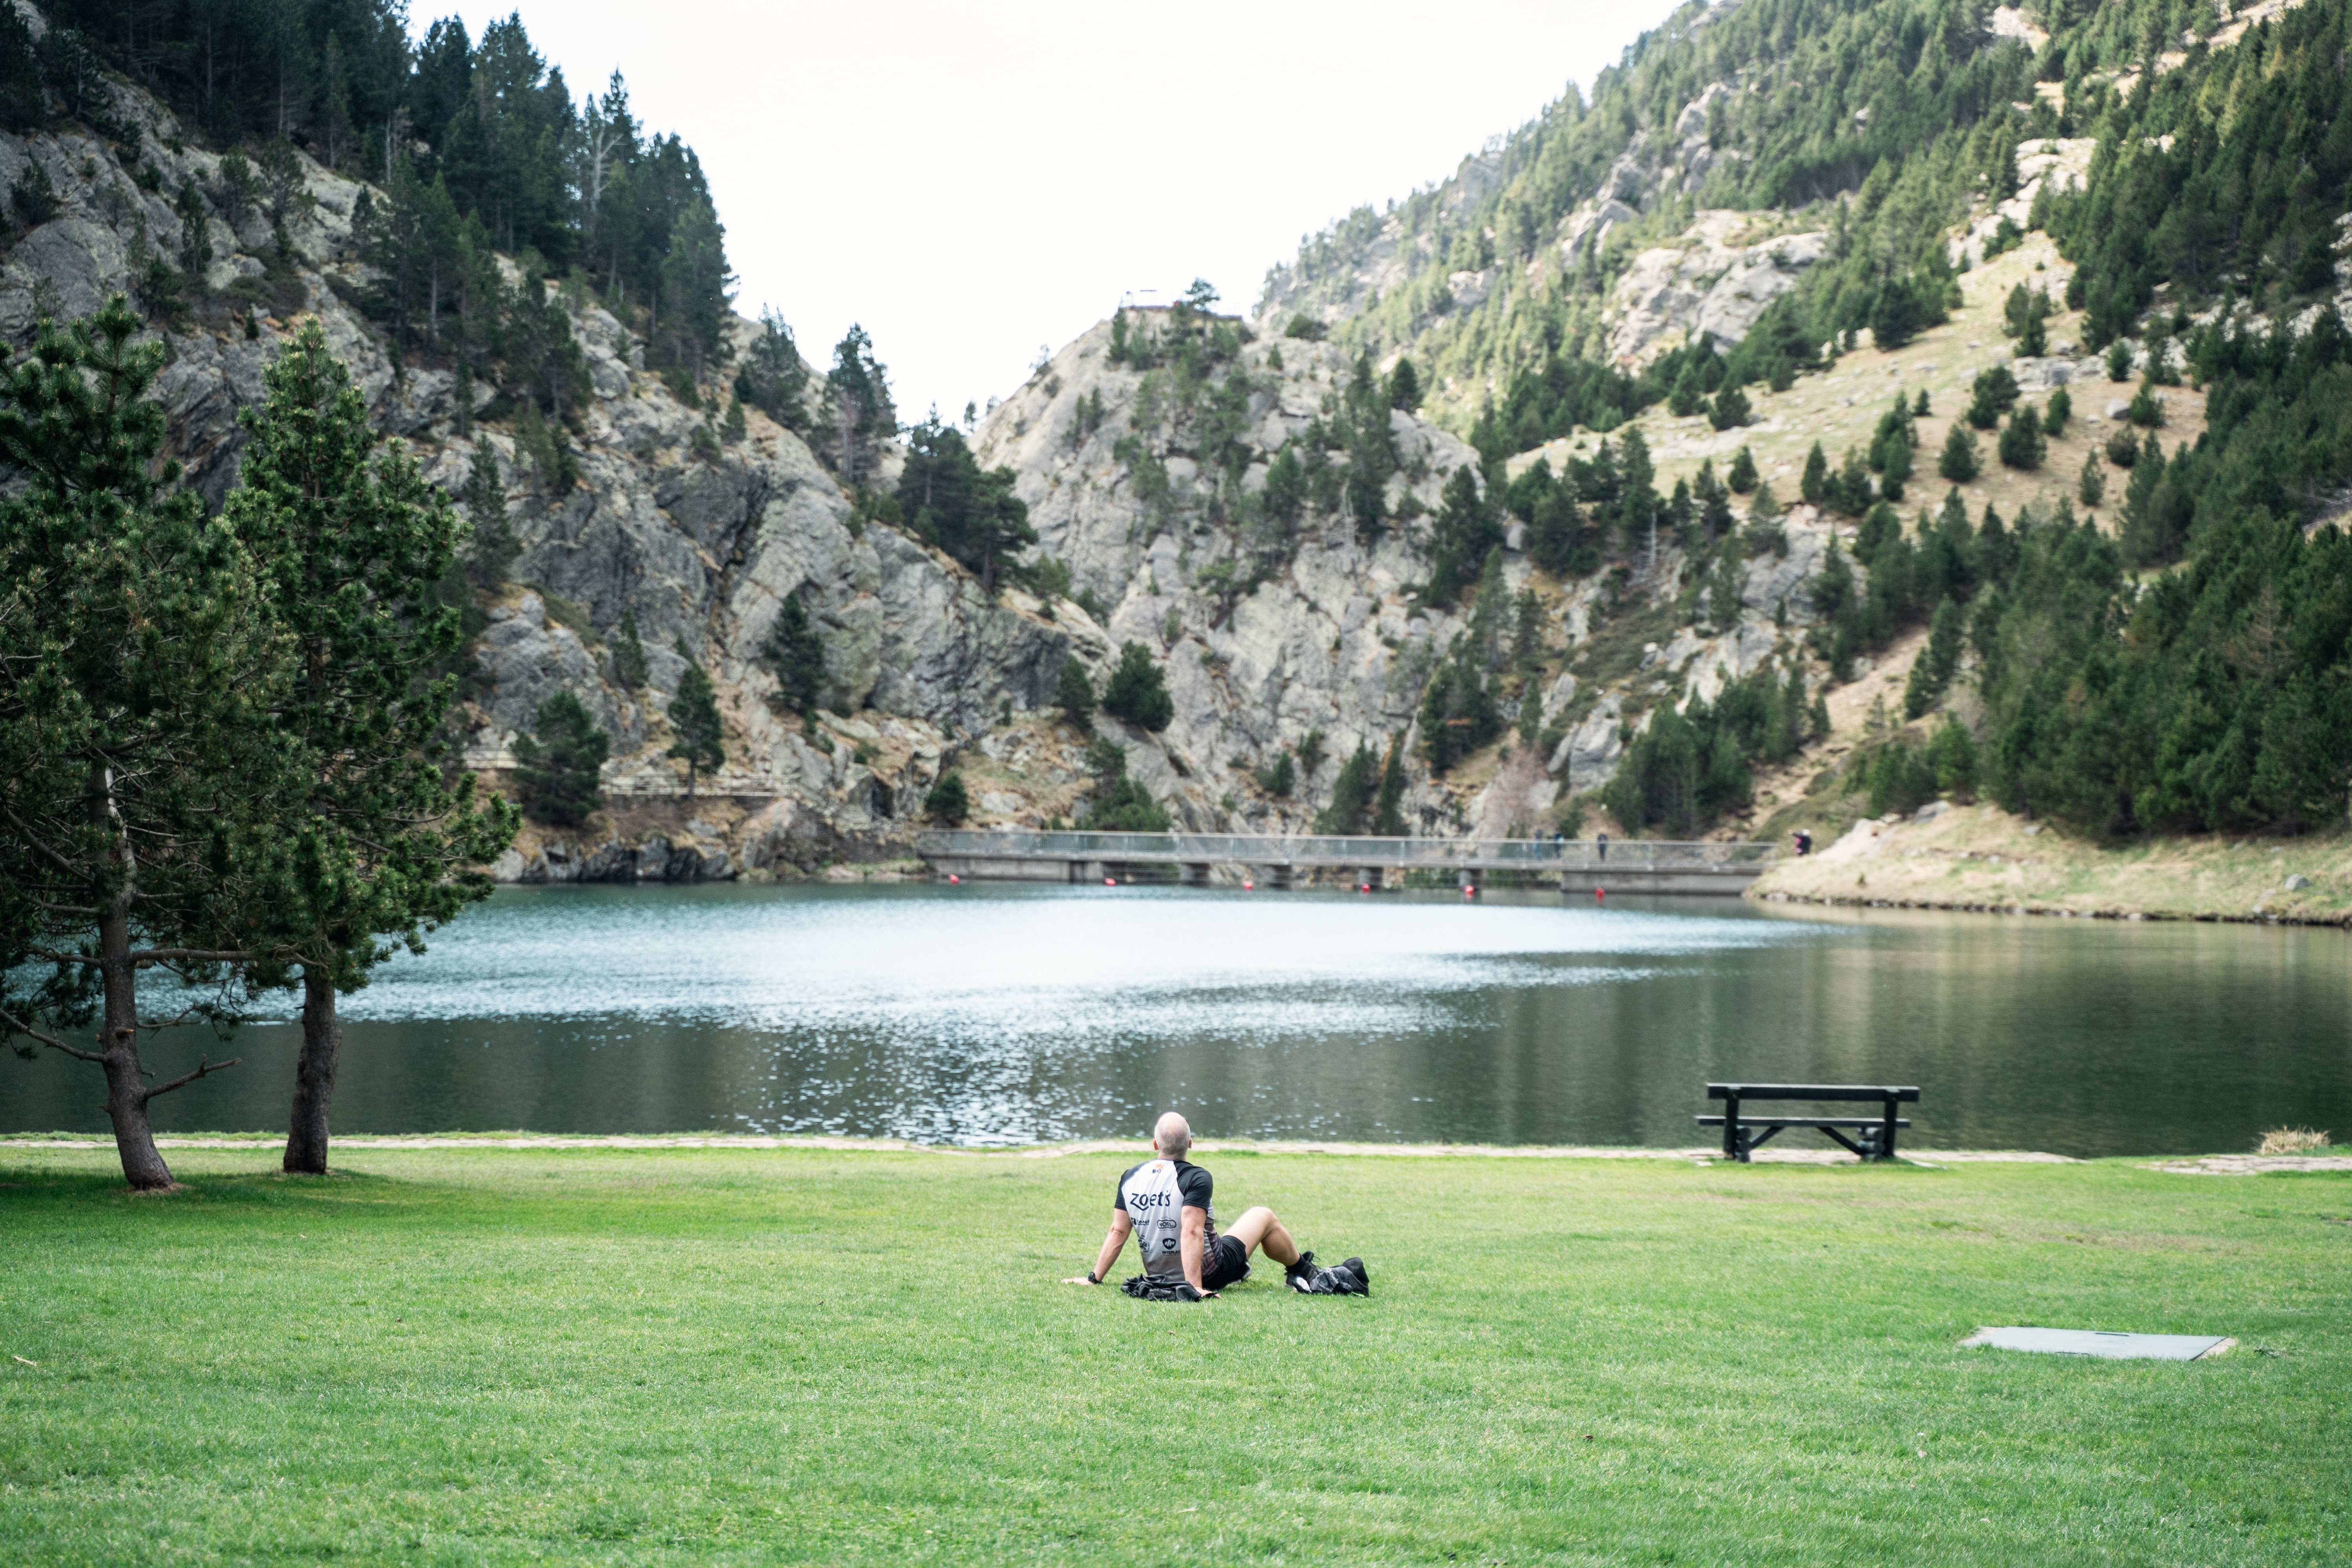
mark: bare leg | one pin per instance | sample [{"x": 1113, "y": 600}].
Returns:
[{"x": 1257, "y": 1228}]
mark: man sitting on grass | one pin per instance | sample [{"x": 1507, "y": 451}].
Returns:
[{"x": 1165, "y": 1203}]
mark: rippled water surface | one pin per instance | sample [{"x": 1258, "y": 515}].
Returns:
[{"x": 1007, "y": 1015}]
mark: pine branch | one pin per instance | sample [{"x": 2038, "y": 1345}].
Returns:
[
  {"x": 204, "y": 1067},
  {"x": 22, "y": 1027}
]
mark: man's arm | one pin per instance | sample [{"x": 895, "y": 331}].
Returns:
[
  {"x": 1121, "y": 1228},
  {"x": 1192, "y": 1241}
]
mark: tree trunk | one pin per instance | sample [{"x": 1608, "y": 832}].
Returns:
[
  {"x": 314, "y": 1076},
  {"x": 118, "y": 1041}
]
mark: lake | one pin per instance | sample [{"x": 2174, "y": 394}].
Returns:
[{"x": 996, "y": 1015}]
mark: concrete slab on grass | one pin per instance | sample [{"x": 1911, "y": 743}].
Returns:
[{"x": 2104, "y": 1342}]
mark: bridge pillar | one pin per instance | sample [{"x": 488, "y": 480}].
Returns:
[
  {"x": 1195, "y": 873},
  {"x": 1469, "y": 881},
  {"x": 1278, "y": 876},
  {"x": 1373, "y": 877}
]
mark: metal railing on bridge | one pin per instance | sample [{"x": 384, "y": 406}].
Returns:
[{"x": 1332, "y": 849}]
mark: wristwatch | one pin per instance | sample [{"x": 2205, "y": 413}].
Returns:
[{"x": 1092, "y": 1277}]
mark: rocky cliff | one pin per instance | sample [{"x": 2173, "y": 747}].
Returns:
[{"x": 700, "y": 538}]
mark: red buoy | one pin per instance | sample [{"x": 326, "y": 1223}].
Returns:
[
  {"x": 1249, "y": 887},
  {"x": 1600, "y": 895},
  {"x": 1110, "y": 882},
  {"x": 1469, "y": 892},
  {"x": 952, "y": 878}
]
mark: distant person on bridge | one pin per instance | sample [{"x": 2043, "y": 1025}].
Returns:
[
  {"x": 1602, "y": 840},
  {"x": 1165, "y": 1204}
]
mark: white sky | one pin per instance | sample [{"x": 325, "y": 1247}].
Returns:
[{"x": 971, "y": 182}]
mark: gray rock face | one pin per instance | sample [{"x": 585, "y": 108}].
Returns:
[
  {"x": 701, "y": 547},
  {"x": 1323, "y": 639},
  {"x": 1712, "y": 280}
]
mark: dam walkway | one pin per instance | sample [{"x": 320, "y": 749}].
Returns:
[{"x": 1283, "y": 860}]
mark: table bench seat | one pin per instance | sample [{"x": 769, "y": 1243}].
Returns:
[{"x": 1746, "y": 1131}]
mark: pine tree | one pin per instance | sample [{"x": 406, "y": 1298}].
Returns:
[
  {"x": 774, "y": 378},
  {"x": 694, "y": 718},
  {"x": 1138, "y": 690},
  {"x": 561, "y": 757},
  {"x": 1351, "y": 793},
  {"x": 1074, "y": 694},
  {"x": 629, "y": 668},
  {"x": 2022, "y": 444},
  {"x": 1278, "y": 778},
  {"x": 1960, "y": 462},
  {"x": 796, "y": 654},
  {"x": 947, "y": 803},
  {"x": 1742, "y": 474},
  {"x": 494, "y": 546},
  {"x": 351, "y": 541},
  {"x": 1723, "y": 592},
  {"x": 1388, "y": 816},
  {"x": 2093, "y": 488},
  {"x": 859, "y": 412},
  {"x": 1729, "y": 411},
  {"x": 142, "y": 770},
  {"x": 1814, "y": 485},
  {"x": 1465, "y": 529},
  {"x": 1404, "y": 387},
  {"x": 1931, "y": 672}
]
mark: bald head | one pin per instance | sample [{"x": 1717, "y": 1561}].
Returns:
[{"x": 1173, "y": 1136}]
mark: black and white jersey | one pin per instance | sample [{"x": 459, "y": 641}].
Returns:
[{"x": 1153, "y": 1196}]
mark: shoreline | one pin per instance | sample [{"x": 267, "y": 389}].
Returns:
[
  {"x": 1979, "y": 859},
  {"x": 1922, "y": 1159}
]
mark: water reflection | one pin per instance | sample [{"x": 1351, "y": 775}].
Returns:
[{"x": 995, "y": 1014}]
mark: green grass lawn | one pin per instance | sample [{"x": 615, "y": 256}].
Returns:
[{"x": 474, "y": 1355}]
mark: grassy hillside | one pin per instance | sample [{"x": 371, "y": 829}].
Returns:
[{"x": 685, "y": 1356}]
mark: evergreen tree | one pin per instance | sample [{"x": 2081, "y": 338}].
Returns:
[
  {"x": 1931, "y": 672},
  {"x": 1814, "y": 485},
  {"x": 1742, "y": 474},
  {"x": 1458, "y": 715},
  {"x": 561, "y": 759},
  {"x": 1465, "y": 531},
  {"x": 351, "y": 542},
  {"x": 2022, "y": 444},
  {"x": 1120, "y": 804},
  {"x": 1991, "y": 397},
  {"x": 859, "y": 413},
  {"x": 141, "y": 771},
  {"x": 1723, "y": 592},
  {"x": 972, "y": 515},
  {"x": 947, "y": 803},
  {"x": 1278, "y": 778},
  {"x": 1075, "y": 694},
  {"x": 1404, "y": 387},
  {"x": 1388, "y": 814},
  {"x": 796, "y": 654},
  {"x": 494, "y": 546},
  {"x": 774, "y": 378},
  {"x": 1960, "y": 462},
  {"x": 1352, "y": 791},
  {"x": 2093, "y": 486},
  {"x": 629, "y": 668},
  {"x": 694, "y": 720},
  {"x": 1138, "y": 690},
  {"x": 2061, "y": 410},
  {"x": 1729, "y": 411}
]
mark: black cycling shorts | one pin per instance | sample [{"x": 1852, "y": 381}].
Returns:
[{"x": 1227, "y": 1263}]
